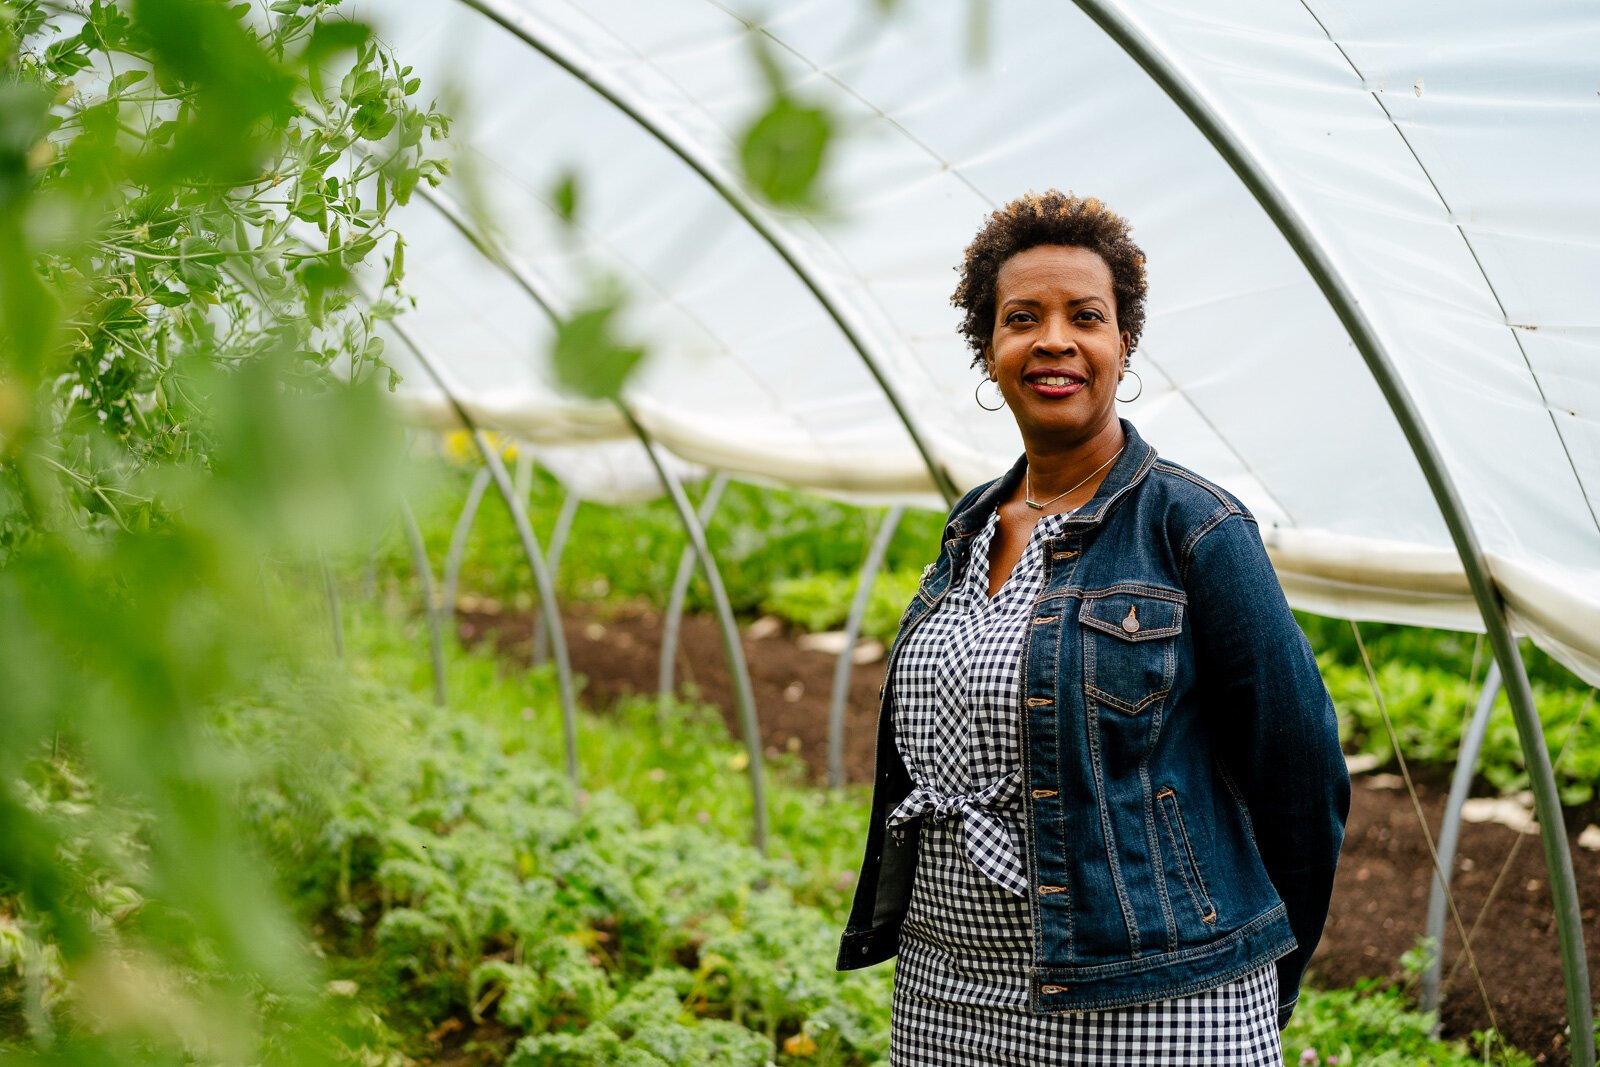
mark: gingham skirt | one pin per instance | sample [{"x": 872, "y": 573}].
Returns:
[{"x": 961, "y": 990}]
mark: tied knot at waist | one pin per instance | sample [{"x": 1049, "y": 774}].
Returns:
[{"x": 989, "y": 843}]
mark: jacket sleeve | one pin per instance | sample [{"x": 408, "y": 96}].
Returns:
[{"x": 1276, "y": 732}]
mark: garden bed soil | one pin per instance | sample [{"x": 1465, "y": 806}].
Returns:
[{"x": 1381, "y": 893}]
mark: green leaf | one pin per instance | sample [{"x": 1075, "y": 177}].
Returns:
[
  {"x": 311, "y": 206},
  {"x": 125, "y": 79},
  {"x": 169, "y": 298},
  {"x": 588, "y": 357},
  {"x": 358, "y": 248},
  {"x": 337, "y": 35},
  {"x": 198, "y": 267},
  {"x": 397, "y": 265},
  {"x": 373, "y": 122},
  {"x": 64, "y": 58},
  {"x": 405, "y": 183},
  {"x": 782, "y": 152},
  {"x": 565, "y": 197},
  {"x": 118, "y": 313}
]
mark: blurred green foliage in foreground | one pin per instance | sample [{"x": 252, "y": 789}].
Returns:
[{"x": 188, "y": 398}]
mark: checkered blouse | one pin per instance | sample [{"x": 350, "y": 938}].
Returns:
[{"x": 961, "y": 983}]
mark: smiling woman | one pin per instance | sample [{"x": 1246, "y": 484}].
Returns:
[{"x": 1110, "y": 795}]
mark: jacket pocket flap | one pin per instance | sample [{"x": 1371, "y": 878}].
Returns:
[{"x": 1133, "y": 615}]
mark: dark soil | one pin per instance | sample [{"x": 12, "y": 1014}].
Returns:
[{"x": 1380, "y": 897}]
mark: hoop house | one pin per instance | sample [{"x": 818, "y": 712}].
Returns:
[{"x": 1373, "y": 243}]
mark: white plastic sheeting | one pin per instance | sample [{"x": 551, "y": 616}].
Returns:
[{"x": 1444, "y": 155}]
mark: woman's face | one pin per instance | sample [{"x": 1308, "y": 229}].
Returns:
[{"x": 1056, "y": 351}]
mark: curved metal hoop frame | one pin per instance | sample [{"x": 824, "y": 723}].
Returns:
[
  {"x": 1140, "y": 378},
  {"x": 521, "y": 25},
  {"x": 530, "y": 546},
  {"x": 744, "y": 695},
  {"x": 1530, "y": 732}
]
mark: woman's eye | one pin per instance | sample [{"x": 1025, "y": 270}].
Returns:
[
  {"x": 1092, "y": 314},
  {"x": 1019, "y": 316}
]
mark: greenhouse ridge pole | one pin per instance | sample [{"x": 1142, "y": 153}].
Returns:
[
  {"x": 1250, "y": 170},
  {"x": 517, "y": 23}
]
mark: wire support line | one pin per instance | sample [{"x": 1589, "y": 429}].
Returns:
[
  {"x": 1227, "y": 443},
  {"x": 1450, "y": 833},
  {"x": 1422, "y": 822},
  {"x": 1516, "y": 846},
  {"x": 519, "y": 24},
  {"x": 1444, "y": 202},
  {"x": 330, "y": 590}
]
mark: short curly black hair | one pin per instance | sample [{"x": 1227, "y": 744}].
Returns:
[{"x": 1049, "y": 218}]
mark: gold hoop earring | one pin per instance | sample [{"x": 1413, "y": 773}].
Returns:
[
  {"x": 978, "y": 398},
  {"x": 1137, "y": 395}
]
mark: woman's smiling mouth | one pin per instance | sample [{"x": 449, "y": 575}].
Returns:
[{"x": 1054, "y": 383}]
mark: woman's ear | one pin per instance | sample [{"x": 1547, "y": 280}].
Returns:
[
  {"x": 988, "y": 362},
  {"x": 1127, "y": 347}
]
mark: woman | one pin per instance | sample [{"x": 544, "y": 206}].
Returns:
[{"x": 1110, "y": 796}]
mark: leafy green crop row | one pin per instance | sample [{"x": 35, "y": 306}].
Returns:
[
  {"x": 453, "y": 873},
  {"x": 464, "y": 905}
]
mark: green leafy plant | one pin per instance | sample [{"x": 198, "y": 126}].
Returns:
[
  {"x": 1371, "y": 1024},
  {"x": 188, "y": 394},
  {"x": 190, "y": 186}
]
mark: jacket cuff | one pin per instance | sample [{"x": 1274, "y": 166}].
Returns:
[{"x": 1286, "y": 1010}]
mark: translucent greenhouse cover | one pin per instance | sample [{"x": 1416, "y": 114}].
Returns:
[{"x": 1444, "y": 154}]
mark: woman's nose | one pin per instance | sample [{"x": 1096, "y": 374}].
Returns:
[{"x": 1053, "y": 336}]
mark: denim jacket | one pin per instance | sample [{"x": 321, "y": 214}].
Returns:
[{"x": 1185, "y": 792}]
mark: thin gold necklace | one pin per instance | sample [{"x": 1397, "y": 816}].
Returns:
[{"x": 1036, "y": 505}]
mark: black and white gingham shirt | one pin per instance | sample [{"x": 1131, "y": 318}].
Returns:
[{"x": 961, "y": 983}]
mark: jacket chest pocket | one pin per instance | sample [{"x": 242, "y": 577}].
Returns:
[{"x": 1130, "y": 645}]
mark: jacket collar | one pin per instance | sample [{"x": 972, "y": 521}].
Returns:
[{"x": 1130, "y": 469}]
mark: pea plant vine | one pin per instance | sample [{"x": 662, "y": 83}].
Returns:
[{"x": 182, "y": 180}]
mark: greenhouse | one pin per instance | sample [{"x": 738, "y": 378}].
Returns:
[{"x": 462, "y": 463}]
